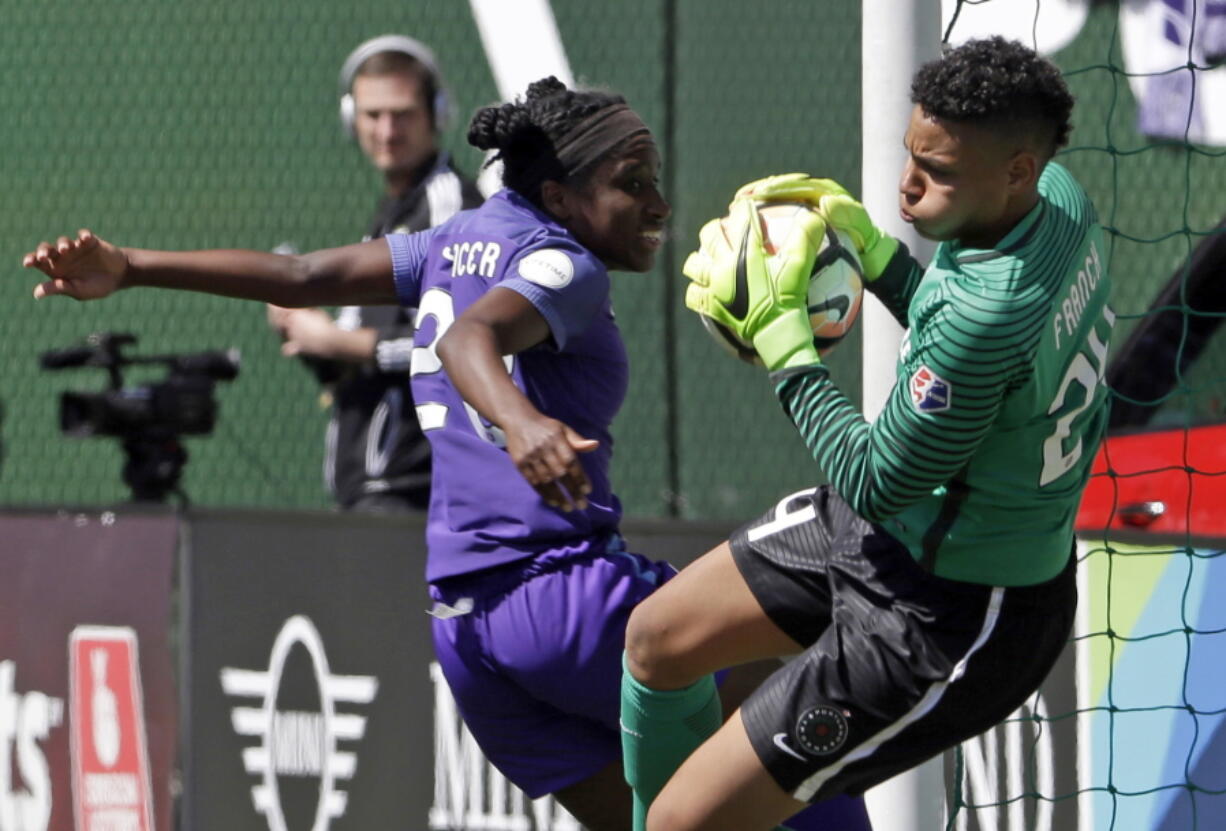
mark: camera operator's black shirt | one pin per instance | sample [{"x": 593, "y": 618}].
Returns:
[{"x": 375, "y": 452}]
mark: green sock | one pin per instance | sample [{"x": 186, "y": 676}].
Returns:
[{"x": 660, "y": 728}]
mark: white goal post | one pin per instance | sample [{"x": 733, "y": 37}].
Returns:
[{"x": 896, "y": 38}]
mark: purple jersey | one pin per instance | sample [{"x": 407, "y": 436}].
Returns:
[{"x": 482, "y": 511}]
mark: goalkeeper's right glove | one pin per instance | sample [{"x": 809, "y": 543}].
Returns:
[
  {"x": 789, "y": 187},
  {"x": 841, "y": 211}
]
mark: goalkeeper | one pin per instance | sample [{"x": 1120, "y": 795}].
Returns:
[{"x": 928, "y": 590}]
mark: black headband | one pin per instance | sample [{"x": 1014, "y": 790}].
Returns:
[
  {"x": 589, "y": 140},
  {"x": 586, "y": 143}
]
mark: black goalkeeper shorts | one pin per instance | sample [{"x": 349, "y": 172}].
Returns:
[{"x": 900, "y": 664}]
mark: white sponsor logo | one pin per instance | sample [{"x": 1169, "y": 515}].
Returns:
[
  {"x": 296, "y": 743},
  {"x": 26, "y": 720},
  {"x": 468, "y": 791},
  {"x": 548, "y": 267}
]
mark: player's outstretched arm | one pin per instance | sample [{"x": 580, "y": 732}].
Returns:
[{"x": 89, "y": 268}]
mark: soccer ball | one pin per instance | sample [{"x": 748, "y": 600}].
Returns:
[{"x": 836, "y": 283}]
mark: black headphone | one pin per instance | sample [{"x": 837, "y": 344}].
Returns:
[{"x": 439, "y": 107}]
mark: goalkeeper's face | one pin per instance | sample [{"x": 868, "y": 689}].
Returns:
[
  {"x": 964, "y": 182},
  {"x": 618, "y": 212}
]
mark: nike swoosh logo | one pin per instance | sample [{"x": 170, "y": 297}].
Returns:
[
  {"x": 840, "y": 304},
  {"x": 739, "y": 307},
  {"x": 782, "y": 745}
]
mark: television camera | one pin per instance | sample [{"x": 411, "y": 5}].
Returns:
[{"x": 148, "y": 420}]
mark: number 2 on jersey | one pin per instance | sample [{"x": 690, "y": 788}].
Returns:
[
  {"x": 436, "y": 303},
  {"x": 1082, "y": 372}
]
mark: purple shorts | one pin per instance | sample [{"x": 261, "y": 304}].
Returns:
[{"x": 535, "y": 666}]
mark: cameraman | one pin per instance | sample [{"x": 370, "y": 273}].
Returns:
[{"x": 375, "y": 457}]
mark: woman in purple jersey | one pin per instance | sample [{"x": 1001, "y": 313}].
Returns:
[{"x": 521, "y": 369}]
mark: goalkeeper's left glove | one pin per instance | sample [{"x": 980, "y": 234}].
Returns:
[{"x": 762, "y": 298}]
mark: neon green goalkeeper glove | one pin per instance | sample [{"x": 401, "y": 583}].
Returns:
[
  {"x": 760, "y": 297},
  {"x": 841, "y": 210},
  {"x": 875, "y": 247},
  {"x": 789, "y": 187}
]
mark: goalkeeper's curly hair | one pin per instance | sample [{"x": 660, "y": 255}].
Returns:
[
  {"x": 1001, "y": 84},
  {"x": 524, "y": 132}
]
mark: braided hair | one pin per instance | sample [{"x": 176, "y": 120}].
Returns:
[
  {"x": 525, "y": 132},
  {"x": 1000, "y": 84}
]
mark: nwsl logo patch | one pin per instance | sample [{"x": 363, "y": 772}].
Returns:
[{"x": 930, "y": 393}]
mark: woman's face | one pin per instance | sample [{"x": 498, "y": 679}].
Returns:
[{"x": 618, "y": 213}]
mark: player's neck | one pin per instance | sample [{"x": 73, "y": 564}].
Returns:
[{"x": 1015, "y": 211}]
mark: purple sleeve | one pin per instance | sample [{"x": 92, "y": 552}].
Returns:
[
  {"x": 408, "y": 262},
  {"x": 568, "y": 286}
]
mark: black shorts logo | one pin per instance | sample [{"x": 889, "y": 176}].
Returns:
[{"x": 822, "y": 730}]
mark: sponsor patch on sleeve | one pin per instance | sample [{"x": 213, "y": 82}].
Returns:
[
  {"x": 930, "y": 393},
  {"x": 548, "y": 267}
]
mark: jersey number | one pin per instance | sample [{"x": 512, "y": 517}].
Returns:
[
  {"x": 786, "y": 515},
  {"x": 1056, "y": 462},
  {"x": 436, "y": 303}
]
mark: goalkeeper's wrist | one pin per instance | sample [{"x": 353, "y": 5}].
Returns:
[
  {"x": 875, "y": 258},
  {"x": 787, "y": 341}
]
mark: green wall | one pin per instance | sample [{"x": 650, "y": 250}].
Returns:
[{"x": 163, "y": 123}]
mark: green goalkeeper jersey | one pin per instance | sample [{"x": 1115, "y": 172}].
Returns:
[{"x": 978, "y": 461}]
